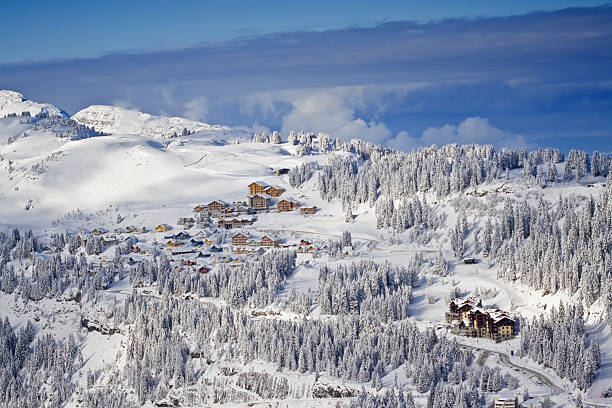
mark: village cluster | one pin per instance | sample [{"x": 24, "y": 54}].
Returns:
[{"x": 213, "y": 243}]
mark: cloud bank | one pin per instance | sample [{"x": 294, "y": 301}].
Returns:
[{"x": 544, "y": 75}]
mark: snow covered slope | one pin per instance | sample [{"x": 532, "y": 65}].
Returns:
[
  {"x": 12, "y": 102},
  {"x": 116, "y": 120}
]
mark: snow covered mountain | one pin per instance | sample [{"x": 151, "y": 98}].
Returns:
[
  {"x": 12, "y": 102},
  {"x": 116, "y": 120}
]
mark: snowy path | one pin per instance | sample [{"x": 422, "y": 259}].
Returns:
[{"x": 506, "y": 360}]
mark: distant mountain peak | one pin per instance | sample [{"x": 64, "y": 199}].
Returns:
[
  {"x": 117, "y": 120},
  {"x": 12, "y": 102}
]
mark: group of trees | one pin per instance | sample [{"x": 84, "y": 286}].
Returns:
[
  {"x": 167, "y": 335},
  {"x": 559, "y": 341},
  {"x": 402, "y": 214},
  {"x": 378, "y": 290},
  {"x": 35, "y": 374},
  {"x": 255, "y": 282},
  {"x": 559, "y": 247}
]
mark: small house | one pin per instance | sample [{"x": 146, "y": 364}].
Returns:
[
  {"x": 505, "y": 400},
  {"x": 195, "y": 242},
  {"x": 258, "y": 202},
  {"x": 274, "y": 191},
  {"x": 108, "y": 240},
  {"x": 182, "y": 235},
  {"x": 308, "y": 210},
  {"x": 175, "y": 244},
  {"x": 217, "y": 206},
  {"x": 97, "y": 232},
  {"x": 198, "y": 209},
  {"x": 240, "y": 239},
  {"x": 469, "y": 261},
  {"x": 270, "y": 242},
  {"x": 162, "y": 228},
  {"x": 257, "y": 187},
  {"x": 287, "y": 205},
  {"x": 203, "y": 269}
]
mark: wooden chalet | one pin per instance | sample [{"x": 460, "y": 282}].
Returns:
[
  {"x": 175, "y": 244},
  {"x": 258, "y": 187},
  {"x": 240, "y": 239},
  {"x": 270, "y": 242},
  {"x": 274, "y": 191},
  {"x": 163, "y": 228},
  {"x": 217, "y": 206},
  {"x": 258, "y": 202},
  {"x": 198, "y": 208},
  {"x": 203, "y": 269},
  {"x": 287, "y": 205},
  {"x": 97, "y": 232},
  {"x": 308, "y": 210}
]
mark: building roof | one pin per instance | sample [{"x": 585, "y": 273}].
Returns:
[{"x": 259, "y": 183}]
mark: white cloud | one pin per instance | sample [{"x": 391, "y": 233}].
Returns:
[
  {"x": 472, "y": 130},
  {"x": 196, "y": 109},
  {"x": 333, "y": 111},
  {"x": 124, "y": 103},
  {"x": 403, "y": 141}
]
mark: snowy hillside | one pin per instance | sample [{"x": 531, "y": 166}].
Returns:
[
  {"x": 12, "y": 102},
  {"x": 116, "y": 120},
  {"x": 199, "y": 271}
]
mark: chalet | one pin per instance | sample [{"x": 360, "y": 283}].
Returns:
[
  {"x": 257, "y": 187},
  {"x": 186, "y": 222},
  {"x": 270, "y": 242},
  {"x": 308, "y": 210},
  {"x": 162, "y": 228},
  {"x": 287, "y": 205},
  {"x": 274, "y": 191},
  {"x": 215, "y": 249},
  {"x": 258, "y": 202},
  {"x": 198, "y": 209},
  {"x": 188, "y": 262},
  {"x": 217, "y": 206},
  {"x": 201, "y": 255},
  {"x": 505, "y": 400},
  {"x": 108, "y": 240},
  {"x": 203, "y": 269},
  {"x": 459, "y": 308},
  {"x": 118, "y": 230},
  {"x": 131, "y": 229},
  {"x": 175, "y": 244},
  {"x": 97, "y": 232},
  {"x": 182, "y": 235},
  {"x": 469, "y": 261},
  {"x": 195, "y": 242},
  {"x": 182, "y": 252},
  {"x": 240, "y": 239}
]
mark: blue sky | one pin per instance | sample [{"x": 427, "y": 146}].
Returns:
[{"x": 405, "y": 74}]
